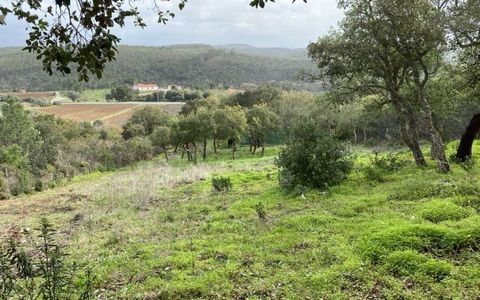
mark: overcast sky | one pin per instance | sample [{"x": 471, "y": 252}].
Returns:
[{"x": 215, "y": 22}]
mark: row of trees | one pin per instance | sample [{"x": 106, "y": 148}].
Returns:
[
  {"x": 268, "y": 114},
  {"x": 395, "y": 49},
  {"x": 206, "y": 122}
]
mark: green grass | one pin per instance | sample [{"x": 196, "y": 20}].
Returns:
[
  {"x": 93, "y": 95},
  {"x": 159, "y": 231}
]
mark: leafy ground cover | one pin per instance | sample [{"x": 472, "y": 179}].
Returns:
[{"x": 158, "y": 231}]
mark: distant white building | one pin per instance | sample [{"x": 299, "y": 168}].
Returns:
[{"x": 145, "y": 87}]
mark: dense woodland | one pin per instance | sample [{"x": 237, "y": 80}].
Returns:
[{"x": 186, "y": 65}]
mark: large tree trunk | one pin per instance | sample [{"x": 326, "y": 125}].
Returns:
[
  {"x": 215, "y": 146},
  {"x": 234, "y": 148},
  {"x": 204, "y": 149},
  {"x": 408, "y": 128},
  {"x": 437, "y": 149},
  {"x": 355, "y": 137},
  {"x": 263, "y": 148},
  {"x": 165, "y": 151},
  {"x": 194, "y": 153},
  {"x": 464, "y": 150}
]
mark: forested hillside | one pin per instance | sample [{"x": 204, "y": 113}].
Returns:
[{"x": 192, "y": 65}]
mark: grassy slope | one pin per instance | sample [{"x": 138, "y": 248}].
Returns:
[{"x": 158, "y": 230}]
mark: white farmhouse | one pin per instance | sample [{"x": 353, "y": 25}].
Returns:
[{"x": 145, "y": 87}]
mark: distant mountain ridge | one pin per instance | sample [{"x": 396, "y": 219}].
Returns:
[{"x": 187, "y": 65}]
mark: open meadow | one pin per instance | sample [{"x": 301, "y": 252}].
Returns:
[{"x": 158, "y": 231}]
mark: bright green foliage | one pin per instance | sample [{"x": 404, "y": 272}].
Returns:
[
  {"x": 312, "y": 158},
  {"x": 411, "y": 263},
  {"x": 443, "y": 210},
  {"x": 414, "y": 189},
  {"x": 161, "y": 225}
]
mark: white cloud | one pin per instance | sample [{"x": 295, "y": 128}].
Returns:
[{"x": 281, "y": 24}]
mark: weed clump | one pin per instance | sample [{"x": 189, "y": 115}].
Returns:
[
  {"x": 221, "y": 184},
  {"x": 443, "y": 210},
  {"x": 260, "y": 209},
  {"x": 410, "y": 263},
  {"x": 41, "y": 272},
  {"x": 436, "y": 240},
  {"x": 380, "y": 166},
  {"x": 418, "y": 189}
]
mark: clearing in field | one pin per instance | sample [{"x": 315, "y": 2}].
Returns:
[{"x": 112, "y": 114}]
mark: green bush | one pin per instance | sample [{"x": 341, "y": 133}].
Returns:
[
  {"x": 390, "y": 162},
  {"x": 436, "y": 269},
  {"x": 221, "y": 184},
  {"x": 404, "y": 262},
  {"x": 373, "y": 173},
  {"x": 442, "y": 210},
  {"x": 425, "y": 238},
  {"x": 411, "y": 263},
  {"x": 472, "y": 201},
  {"x": 312, "y": 158},
  {"x": 133, "y": 150}
]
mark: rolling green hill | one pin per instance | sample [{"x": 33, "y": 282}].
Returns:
[{"x": 192, "y": 65}]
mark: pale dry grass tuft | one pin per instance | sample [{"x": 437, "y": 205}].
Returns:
[{"x": 141, "y": 187}]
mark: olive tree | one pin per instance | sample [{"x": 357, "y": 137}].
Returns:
[
  {"x": 160, "y": 138},
  {"x": 231, "y": 123},
  {"x": 382, "y": 48},
  {"x": 262, "y": 122}
]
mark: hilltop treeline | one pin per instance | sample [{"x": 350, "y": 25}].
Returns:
[{"x": 187, "y": 65}]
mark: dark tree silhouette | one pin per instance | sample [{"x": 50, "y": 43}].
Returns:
[{"x": 464, "y": 150}]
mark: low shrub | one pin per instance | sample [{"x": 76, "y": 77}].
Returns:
[
  {"x": 443, "y": 210},
  {"x": 221, "y": 184},
  {"x": 425, "y": 238},
  {"x": 260, "y": 209},
  {"x": 411, "y": 263},
  {"x": 373, "y": 173},
  {"x": 312, "y": 158},
  {"x": 420, "y": 189},
  {"x": 391, "y": 162},
  {"x": 472, "y": 201}
]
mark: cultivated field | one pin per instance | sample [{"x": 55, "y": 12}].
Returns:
[{"x": 112, "y": 114}]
